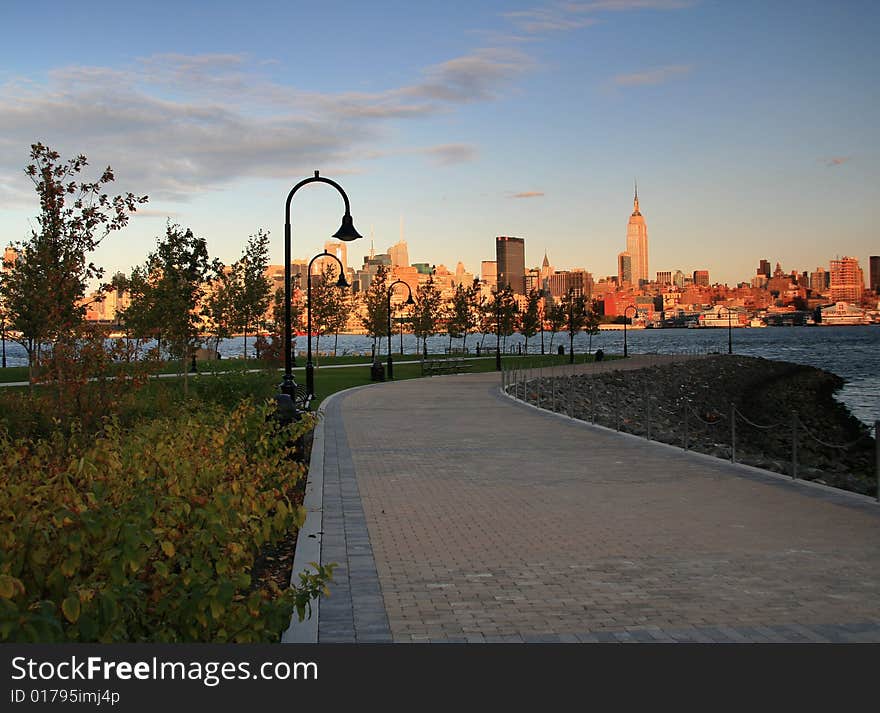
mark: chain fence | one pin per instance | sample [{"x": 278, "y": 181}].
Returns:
[{"x": 730, "y": 435}]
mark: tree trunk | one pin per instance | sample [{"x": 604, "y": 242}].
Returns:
[
  {"x": 245, "y": 344},
  {"x": 335, "y": 342}
]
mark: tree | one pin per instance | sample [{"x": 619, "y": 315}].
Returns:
[
  {"x": 375, "y": 298},
  {"x": 574, "y": 307},
  {"x": 591, "y": 324},
  {"x": 426, "y": 313},
  {"x": 254, "y": 289},
  {"x": 556, "y": 317},
  {"x": 166, "y": 291},
  {"x": 530, "y": 320},
  {"x": 327, "y": 303},
  {"x": 462, "y": 315},
  {"x": 220, "y": 304},
  {"x": 43, "y": 288},
  {"x": 500, "y": 313}
]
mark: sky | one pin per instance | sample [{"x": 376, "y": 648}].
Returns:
[{"x": 751, "y": 127}]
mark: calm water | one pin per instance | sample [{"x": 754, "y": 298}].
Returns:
[{"x": 851, "y": 352}]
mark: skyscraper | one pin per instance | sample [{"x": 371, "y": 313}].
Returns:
[
  {"x": 637, "y": 242},
  {"x": 510, "y": 256},
  {"x": 874, "y": 266},
  {"x": 624, "y": 269}
]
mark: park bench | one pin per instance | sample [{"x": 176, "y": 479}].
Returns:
[{"x": 433, "y": 367}]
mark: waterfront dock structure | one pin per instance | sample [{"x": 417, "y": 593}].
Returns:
[{"x": 457, "y": 514}]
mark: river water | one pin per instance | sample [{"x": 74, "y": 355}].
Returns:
[{"x": 850, "y": 352}]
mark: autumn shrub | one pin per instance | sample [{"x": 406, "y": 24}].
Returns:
[{"x": 150, "y": 533}]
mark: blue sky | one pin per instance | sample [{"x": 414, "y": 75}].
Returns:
[{"x": 751, "y": 126}]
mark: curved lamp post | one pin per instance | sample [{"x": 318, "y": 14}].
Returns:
[
  {"x": 341, "y": 282},
  {"x": 635, "y": 312},
  {"x": 346, "y": 232},
  {"x": 497, "y": 330},
  {"x": 409, "y": 301},
  {"x": 729, "y": 330}
]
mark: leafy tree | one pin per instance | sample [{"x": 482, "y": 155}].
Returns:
[
  {"x": 591, "y": 324},
  {"x": 556, "y": 317},
  {"x": 463, "y": 317},
  {"x": 500, "y": 313},
  {"x": 220, "y": 304},
  {"x": 166, "y": 291},
  {"x": 253, "y": 289},
  {"x": 328, "y": 301},
  {"x": 426, "y": 313},
  {"x": 375, "y": 301},
  {"x": 43, "y": 288},
  {"x": 530, "y": 320},
  {"x": 574, "y": 307}
]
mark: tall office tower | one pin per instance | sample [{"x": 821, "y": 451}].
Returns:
[
  {"x": 874, "y": 265},
  {"x": 701, "y": 278},
  {"x": 338, "y": 249},
  {"x": 764, "y": 268},
  {"x": 624, "y": 269},
  {"x": 510, "y": 254},
  {"x": 637, "y": 242},
  {"x": 819, "y": 281},
  {"x": 678, "y": 279},
  {"x": 489, "y": 272},
  {"x": 847, "y": 280},
  {"x": 399, "y": 253}
]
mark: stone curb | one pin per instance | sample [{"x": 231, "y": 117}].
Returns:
[
  {"x": 308, "y": 541},
  {"x": 826, "y": 492}
]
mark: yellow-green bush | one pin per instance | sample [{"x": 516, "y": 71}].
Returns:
[{"x": 150, "y": 534}]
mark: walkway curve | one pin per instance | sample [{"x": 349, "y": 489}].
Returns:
[{"x": 457, "y": 514}]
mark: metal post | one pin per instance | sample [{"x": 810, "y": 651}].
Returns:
[
  {"x": 794, "y": 446},
  {"x": 592, "y": 399},
  {"x": 686, "y": 415},
  {"x": 877, "y": 456},
  {"x": 732, "y": 433}
]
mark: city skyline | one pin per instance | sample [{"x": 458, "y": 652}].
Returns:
[{"x": 520, "y": 119}]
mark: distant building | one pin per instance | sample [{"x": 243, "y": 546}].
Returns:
[
  {"x": 820, "y": 281},
  {"x": 510, "y": 255},
  {"x": 664, "y": 278},
  {"x": 847, "y": 281},
  {"x": 624, "y": 269},
  {"x": 874, "y": 266},
  {"x": 489, "y": 272},
  {"x": 399, "y": 254},
  {"x": 701, "y": 278},
  {"x": 678, "y": 279},
  {"x": 637, "y": 242},
  {"x": 764, "y": 268},
  {"x": 339, "y": 249}
]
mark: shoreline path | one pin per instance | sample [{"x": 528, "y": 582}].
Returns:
[{"x": 458, "y": 514}]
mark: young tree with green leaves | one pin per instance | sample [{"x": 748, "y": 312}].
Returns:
[
  {"x": 220, "y": 304},
  {"x": 166, "y": 291},
  {"x": 591, "y": 324},
  {"x": 462, "y": 317},
  {"x": 375, "y": 308},
  {"x": 500, "y": 314},
  {"x": 555, "y": 317},
  {"x": 574, "y": 307},
  {"x": 253, "y": 289},
  {"x": 530, "y": 320},
  {"x": 426, "y": 312},
  {"x": 43, "y": 288},
  {"x": 327, "y": 303}
]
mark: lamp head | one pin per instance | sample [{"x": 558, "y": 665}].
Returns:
[
  {"x": 346, "y": 231},
  {"x": 410, "y": 300},
  {"x": 342, "y": 282}
]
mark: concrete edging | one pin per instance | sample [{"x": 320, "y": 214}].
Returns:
[{"x": 308, "y": 541}]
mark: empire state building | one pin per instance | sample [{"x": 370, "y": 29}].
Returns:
[{"x": 637, "y": 242}]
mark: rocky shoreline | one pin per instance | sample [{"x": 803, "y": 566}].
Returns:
[{"x": 691, "y": 401}]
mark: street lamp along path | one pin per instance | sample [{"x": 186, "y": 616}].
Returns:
[
  {"x": 342, "y": 283},
  {"x": 346, "y": 233},
  {"x": 409, "y": 301}
]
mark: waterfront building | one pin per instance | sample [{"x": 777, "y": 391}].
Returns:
[
  {"x": 718, "y": 316},
  {"x": 637, "y": 242},
  {"x": 820, "y": 281},
  {"x": 874, "y": 267},
  {"x": 843, "y": 313},
  {"x": 847, "y": 281},
  {"x": 510, "y": 255}
]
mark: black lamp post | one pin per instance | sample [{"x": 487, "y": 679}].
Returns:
[
  {"x": 729, "y": 331},
  {"x": 635, "y": 312},
  {"x": 341, "y": 283},
  {"x": 4, "y": 343},
  {"x": 409, "y": 301},
  {"x": 543, "y": 315},
  {"x": 346, "y": 232}
]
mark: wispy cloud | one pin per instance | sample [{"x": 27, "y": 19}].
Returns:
[
  {"x": 529, "y": 194},
  {"x": 835, "y": 160},
  {"x": 658, "y": 75},
  {"x": 176, "y": 125},
  {"x": 565, "y": 16}
]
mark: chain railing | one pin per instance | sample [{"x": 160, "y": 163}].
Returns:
[{"x": 556, "y": 391}]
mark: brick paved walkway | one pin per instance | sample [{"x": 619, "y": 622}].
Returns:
[{"x": 456, "y": 514}]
